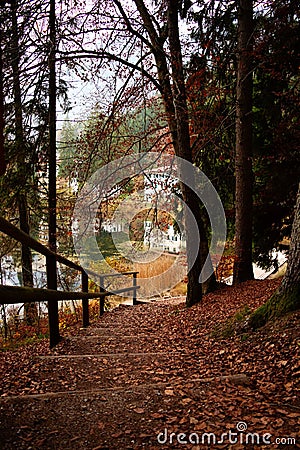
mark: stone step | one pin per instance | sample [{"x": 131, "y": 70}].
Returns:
[
  {"x": 236, "y": 379},
  {"x": 108, "y": 355}
]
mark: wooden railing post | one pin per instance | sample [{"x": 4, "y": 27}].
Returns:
[
  {"x": 12, "y": 294},
  {"x": 134, "y": 291},
  {"x": 52, "y": 304},
  {"x": 102, "y": 298},
  {"x": 85, "y": 301}
]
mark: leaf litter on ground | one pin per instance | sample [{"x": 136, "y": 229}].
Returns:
[{"x": 139, "y": 371}]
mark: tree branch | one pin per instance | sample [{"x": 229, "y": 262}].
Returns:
[{"x": 65, "y": 56}]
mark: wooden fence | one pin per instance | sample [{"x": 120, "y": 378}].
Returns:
[{"x": 16, "y": 294}]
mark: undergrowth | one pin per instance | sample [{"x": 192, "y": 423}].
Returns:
[
  {"x": 16, "y": 333},
  {"x": 233, "y": 324}
]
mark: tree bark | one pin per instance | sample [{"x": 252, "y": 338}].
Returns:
[
  {"x": 2, "y": 153},
  {"x": 292, "y": 275},
  {"x": 287, "y": 297},
  {"x": 20, "y": 142},
  {"x": 183, "y": 150},
  {"x": 51, "y": 261},
  {"x": 30, "y": 309},
  {"x": 243, "y": 269},
  {"x": 175, "y": 103},
  {"x": 52, "y": 131}
]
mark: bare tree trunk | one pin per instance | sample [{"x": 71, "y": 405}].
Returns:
[
  {"x": 3, "y": 307},
  {"x": 194, "y": 291},
  {"x": 2, "y": 154},
  {"x": 292, "y": 276},
  {"x": 243, "y": 269},
  {"x": 27, "y": 275},
  {"x": 51, "y": 262},
  {"x": 26, "y": 257},
  {"x": 175, "y": 103},
  {"x": 287, "y": 297},
  {"x": 52, "y": 130}
]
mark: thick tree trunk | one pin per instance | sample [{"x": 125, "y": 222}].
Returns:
[
  {"x": 287, "y": 297},
  {"x": 2, "y": 153},
  {"x": 26, "y": 257},
  {"x": 292, "y": 275},
  {"x": 51, "y": 262},
  {"x": 175, "y": 103},
  {"x": 243, "y": 160},
  {"x": 183, "y": 150},
  {"x": 52, "y": 131}
]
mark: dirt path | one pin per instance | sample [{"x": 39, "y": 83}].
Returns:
[{"x": 142, "y": 373}]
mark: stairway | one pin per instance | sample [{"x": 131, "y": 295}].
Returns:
[
  {"x": 150, "y": 377},
  {"x": 95, "y": 390}
]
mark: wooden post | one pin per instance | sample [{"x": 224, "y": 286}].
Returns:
[
  {"x": 102, "y": 299},
  {"x": 52, "y": 304},
  {"x": 51, "y": 261},
  {"x": 134, "y": 291},
  {"x": 85, "y": 301}
]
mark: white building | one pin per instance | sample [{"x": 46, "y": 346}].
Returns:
[
  {"x": 169, "y": 241},
  {"x": 112, "y": 226}
]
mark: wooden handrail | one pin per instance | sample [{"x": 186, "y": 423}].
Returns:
[
  {"x": 106, "y": 275},
  {"x": 8, "y": 294},
  {"x": 14, "y": 232}
]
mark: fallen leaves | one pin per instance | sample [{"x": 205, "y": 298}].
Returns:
[
  {"x": 169, "y": 392},
  {"x": 157, "y": 366}
]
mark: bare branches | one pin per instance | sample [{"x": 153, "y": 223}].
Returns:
[
  {"x": 102, "y": 54},
  {"x": 130, "y": 28}
]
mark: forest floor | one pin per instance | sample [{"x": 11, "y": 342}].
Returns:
[{"x": 154, "y": 377}]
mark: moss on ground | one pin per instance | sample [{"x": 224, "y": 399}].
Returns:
[
  {"x": 233, "y": 324},
  {"x": 278, "y": 305}
]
